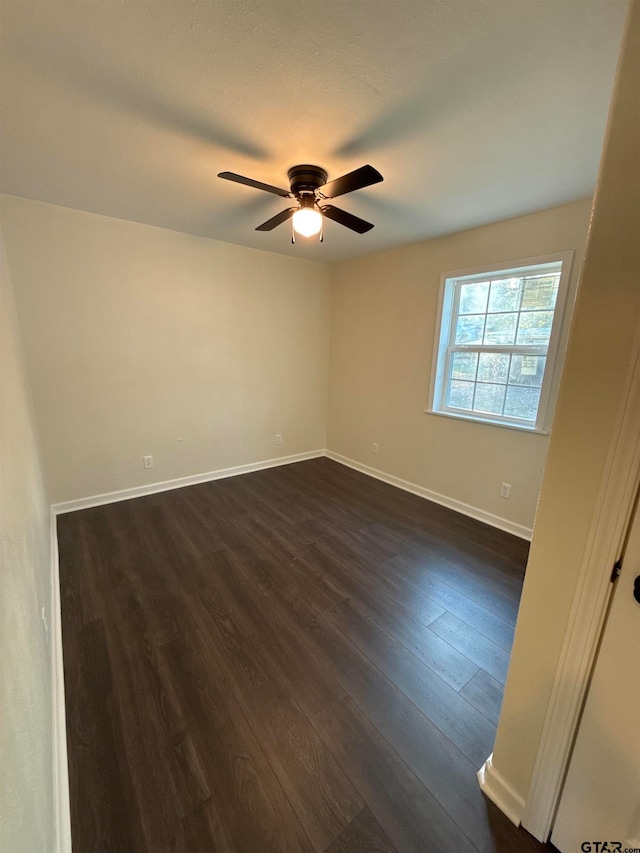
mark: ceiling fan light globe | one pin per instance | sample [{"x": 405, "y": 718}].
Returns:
[{"x": 307, "y": 222}]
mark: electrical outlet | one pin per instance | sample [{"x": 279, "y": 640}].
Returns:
[
  {"x": 505, "y": 490},
  {"x": 45, "y": 622},
  {"x": 375, "y": 447},
  {"x": 278, "y": 438},
  {"x": 147, "y": 461}
]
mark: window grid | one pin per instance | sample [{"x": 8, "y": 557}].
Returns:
[
  {"x": 536, "y": 350},
  {"x": 484, "y": 382}
]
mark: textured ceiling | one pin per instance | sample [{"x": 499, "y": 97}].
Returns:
[{"x": 473, "y": 111}]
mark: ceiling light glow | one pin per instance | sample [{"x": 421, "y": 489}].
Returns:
[{"x": 307, "y": 222}]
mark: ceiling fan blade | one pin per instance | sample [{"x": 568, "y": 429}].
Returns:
[
  {"x": 347, "y": 219},
  {"x": 258, "y": 185},
  {"x": 365, "y": 176},
  {"x": 278, "y": 219}
]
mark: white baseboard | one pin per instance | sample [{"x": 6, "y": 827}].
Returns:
[
  {"x": 180, "y": 482},
  {"x": 62, "y": 813},
  {"x": 480, "y": 515},
  {"x": 497, "y": 789},
  {"x": 493, "y": 785},
  {"x": 153, "y": 488}
]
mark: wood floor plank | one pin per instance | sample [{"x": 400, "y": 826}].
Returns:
[
  {"x": 440, "y": 656},
  {"x": 495, "y": 628},
  {"x": 79, "y": 600},
  {"x": 485, "y": 694},
  {"x": 320, "y": 793},
  {"x": 267, "y": 498},
  {"x": 357, "y": 580},
  {"x": 278, "y": 639},
  {"x": 289, "y": 562},
  {"x": 186, "y": 542},
  {"x": 469, "y": 730},
  {"x": 130, "y": 544},
  {"x": 252, "y": 812},
  {"x": 444, "y": 770},
  {"x": 424, "y": 572},
  {"x": 368, "y": 594},
  {"x": 363, "y": 835},
  {"x": 410, "y": 816},
  {"x": 203, "y": 823},
  {"x": 473, "y": 645},
  {"x": 169, "y": 783},
  {"x": 355, "y": 577},
  {"x": 451, "y": 555},
  {"x": 104, "y": 809}
]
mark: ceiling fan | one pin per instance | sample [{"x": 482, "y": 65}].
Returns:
[{"x": 309, "y": 187}]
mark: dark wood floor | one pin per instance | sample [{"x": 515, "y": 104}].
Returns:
[{"x": 298, "y": 659}]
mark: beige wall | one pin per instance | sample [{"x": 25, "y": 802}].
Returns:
[
  {"x": 143, "y": 341},
  {"x": 606, "y": 317},
  {"x": 26, "y": 819},
  {"x": 383, "y": 320}
]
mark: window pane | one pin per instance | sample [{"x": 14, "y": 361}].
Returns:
[
  {"x": 500, "y": 329},
  {"x": 522, "y": 403},
  {"x": 463, "y": 365},
  {"x": 527, "y": 370},
  {"x": 535, "y": 328},
  {"x": 469, "y": 329},
  {"x": 539, "y": 294},
  {"x": 473, "y": 298},
  {"x": 505, "y": 295},
  {"x": 493, "y": 367},
  {"x": 460, "y": 394},
  {"x": 489, "y": 398}
]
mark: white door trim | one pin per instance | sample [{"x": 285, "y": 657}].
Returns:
[{"x": 593, "y": 588}]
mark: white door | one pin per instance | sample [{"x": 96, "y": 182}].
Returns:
[{"x": 601, "y": 798}]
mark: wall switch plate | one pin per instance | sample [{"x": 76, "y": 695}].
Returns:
[
  {"x": 375, "y": 447},
  {"x": 147, "y": 461},
  {"x": 278, "y": 438},
  {"x": 505, "y": 490}
]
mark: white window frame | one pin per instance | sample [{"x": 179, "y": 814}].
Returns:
[{"x": 444, "y": 331}]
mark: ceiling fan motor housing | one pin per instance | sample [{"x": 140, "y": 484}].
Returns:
[{"x": 306, "y": 179}]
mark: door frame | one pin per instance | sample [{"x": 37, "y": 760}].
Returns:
[{"x": 593, "y": 589}]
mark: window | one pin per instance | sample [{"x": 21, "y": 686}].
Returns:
[{"x": 497, "y": 342}]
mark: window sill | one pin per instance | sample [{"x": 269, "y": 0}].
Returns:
[{"x": 486, "y": 422}]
